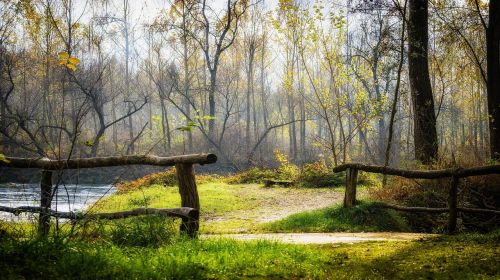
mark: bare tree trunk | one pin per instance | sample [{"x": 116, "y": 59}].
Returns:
[
  {"x": 185, "y": 60},
  {"x": 167, "y": 141},
  {"x": 396, "y": 92},
  {"x": 263, "y": 89},
  {"x": 249, "y": 95},
  {"x": 211, "y": 103}
]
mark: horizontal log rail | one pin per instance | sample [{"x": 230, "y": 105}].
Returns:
[
  {"x": 77, "y": 163},
  {"x": 183, "y": 212},
  {"x": 190, "y": 205},
  {"x": 454, "y": 173},
  {"x": 436, "y": 210},
  {"x": 421, "y": 174}
]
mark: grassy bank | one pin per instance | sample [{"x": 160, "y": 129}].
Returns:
[
  {"x": 362, "y": 217},
  {"x": 458, "y": 257}
]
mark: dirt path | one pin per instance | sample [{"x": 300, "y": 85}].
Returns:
[
  {"x": 269, "y": 205},
  {"x": 325, "y": 238}
]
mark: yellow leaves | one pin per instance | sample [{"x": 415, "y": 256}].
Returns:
[
  {"x": 74, "y": 60},
  {"x": 3, "y": 158},
  {"x": 68, "y": 61},
  {"x": 89, "y": 143},
  {"x": 63, "y": 55}
]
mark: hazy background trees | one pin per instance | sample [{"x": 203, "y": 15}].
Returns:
[{"x": 315, "y": 79}]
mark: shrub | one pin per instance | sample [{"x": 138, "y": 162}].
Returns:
[
  {"x": 369, "y": 179},
  {"x": 165, "y": 178},
  {"x": 421, "y": 193},
  {"x": 252, "y": 175},
  {"x": 286, "y": 170},
  {"x": 317, "y": 174}
]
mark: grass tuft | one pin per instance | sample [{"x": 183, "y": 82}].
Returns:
[{"x": 362, "y": 217}]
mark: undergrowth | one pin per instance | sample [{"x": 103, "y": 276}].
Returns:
[
  {"x": 473, "y": 192},
  {"x": 164, "y": 178}
]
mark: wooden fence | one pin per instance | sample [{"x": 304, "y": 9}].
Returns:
[
  {"x": 454, "y": 173},
  {"x": 190, "y": 203}
]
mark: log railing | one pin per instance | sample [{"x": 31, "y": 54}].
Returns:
[
  {"x": 454, "y": 173},
  {"x": 190, "y": 205}
]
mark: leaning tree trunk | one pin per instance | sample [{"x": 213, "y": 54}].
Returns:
[
  {"x": 425, "y": 135},
  {"x": 493, "y": 84}
]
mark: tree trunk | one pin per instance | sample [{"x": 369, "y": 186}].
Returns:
[
  {"x": 185, "y": 60},
  {"x": 493, "y": 83},
  {"x": 45, "y": 202},
  {"x": 251, "y": 55},
  {"x": 211, "y": 104},
  {"x": 425, "y": 135}
]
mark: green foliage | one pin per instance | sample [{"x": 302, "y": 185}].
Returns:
[
  {"x": 317, "y": 174},
  {"x": 185, "y": 259},
  {"x": 142, "y": 231},
  {"x": 367, "y": 179},
  {"x": 362, "y": 217}
]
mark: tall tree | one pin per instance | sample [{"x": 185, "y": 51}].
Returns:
[
  {"x": 424, "y": 118},
  {"x": 216, "y": 37},
  {"x": 493, "y": 84}
]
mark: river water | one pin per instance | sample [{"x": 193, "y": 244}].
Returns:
[{"x": 69, "y": 197}]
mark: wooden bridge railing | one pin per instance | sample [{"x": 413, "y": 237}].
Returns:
[
  {"x": 454, "y": 173},
  {"x": 190, "y": 204}
]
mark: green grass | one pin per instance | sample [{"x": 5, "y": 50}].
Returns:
[
  {"x": 214, "y": 197},
  {"x": 362, "y": 217},
  {"x": 225, "y": 208},
  {"x": 458, "y": 257}
]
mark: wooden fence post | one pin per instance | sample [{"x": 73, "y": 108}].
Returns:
[
  {"x": 189, "y": 197},
  {"x": 350, "y": 187},
  {"x": 45, "y": 203},
  {"x": 452, "y": 205}
]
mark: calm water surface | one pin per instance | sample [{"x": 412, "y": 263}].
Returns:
[{"x": 68, "y": 197}]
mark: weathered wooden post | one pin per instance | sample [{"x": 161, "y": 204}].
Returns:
[
  {"x": 350, "y": 187},
  {"x": 45, "y": 203},
  {"x": 452, "y": 204},
  {"x": 189, "y": 197}
]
